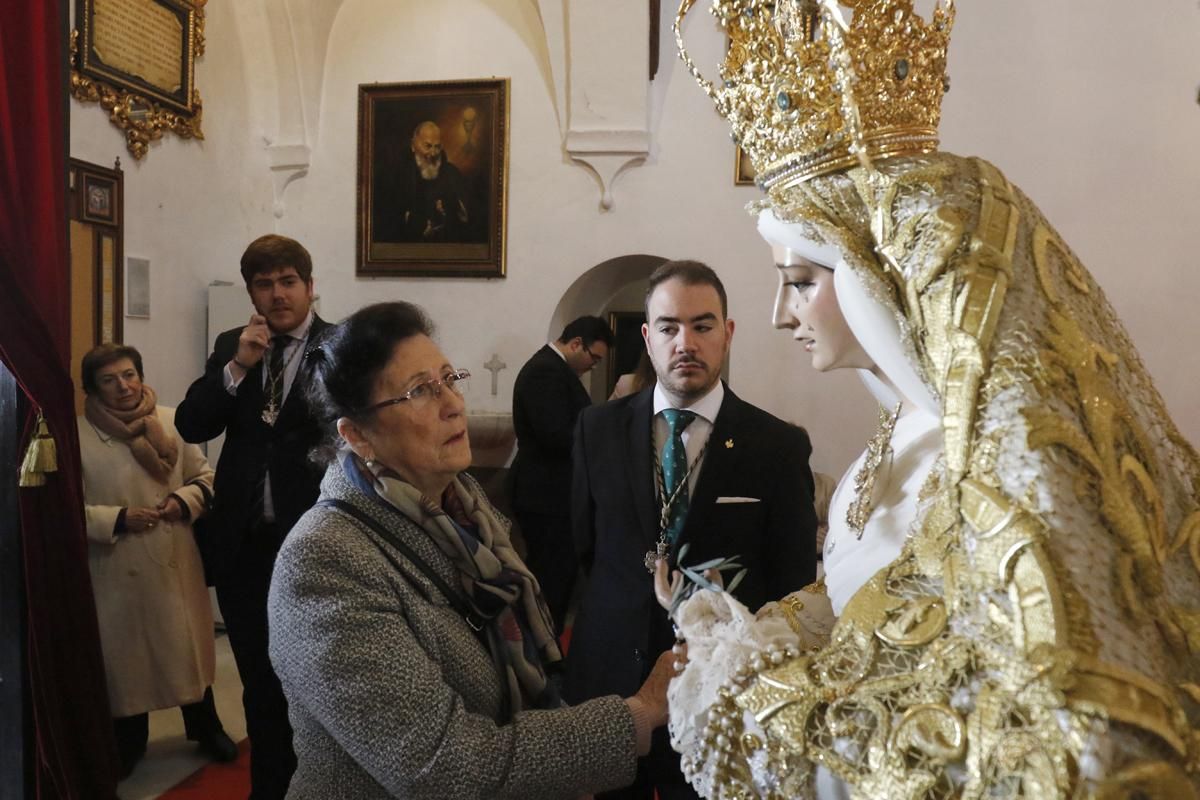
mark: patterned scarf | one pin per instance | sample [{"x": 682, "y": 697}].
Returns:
[
  {"x": 496, "y": 583},
  {"x": 140, "y": 429}
]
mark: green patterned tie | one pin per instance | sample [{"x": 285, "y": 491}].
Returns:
[{"x": 675, "y": 469}]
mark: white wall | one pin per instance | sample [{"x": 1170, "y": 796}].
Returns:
[
  {"x": 190, "y": 207},
  {"x": 1091, "y": 111},
  {"x": 1091, "y": 108}
]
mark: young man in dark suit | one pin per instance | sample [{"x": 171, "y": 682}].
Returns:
[
  {"x": 252, "y": 390},
  {"x": 683, "y": 462},
  {"x": 547, "y": 399}
]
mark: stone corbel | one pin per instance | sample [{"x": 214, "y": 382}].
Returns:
[
  {"x": 285, "y": 43},
  {"x": 608, "y": 154},
  {"x": 288, "y": 162},
  {"x": 608, "y": 91}
]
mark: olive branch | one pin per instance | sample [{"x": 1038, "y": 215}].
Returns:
[{"x": 694, "y": 577}]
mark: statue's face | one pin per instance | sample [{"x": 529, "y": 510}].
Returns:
[{"x": 806, "y": 304}]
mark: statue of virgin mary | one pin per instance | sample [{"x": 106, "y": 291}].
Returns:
[{"x": 1012, "y": 599}]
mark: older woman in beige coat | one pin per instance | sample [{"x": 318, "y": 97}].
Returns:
[{"x": 143, "y": 488}]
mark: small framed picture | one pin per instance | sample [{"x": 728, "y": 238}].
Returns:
[
  {"x": 98, "y": 198},
  {"x": 137, "y": 287},
  {"x": 743, "y": 170}
]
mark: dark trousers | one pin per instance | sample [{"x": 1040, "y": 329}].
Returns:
[
  {"x": 242, "y": 593},
  {"x": 199, "y": 721},
  {"x": 551, "y": 558}
]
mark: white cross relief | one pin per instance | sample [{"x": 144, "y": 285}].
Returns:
[{"x": 494, "y": 366}]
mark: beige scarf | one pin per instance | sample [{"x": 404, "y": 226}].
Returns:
[{"x": 140, "y": 429}]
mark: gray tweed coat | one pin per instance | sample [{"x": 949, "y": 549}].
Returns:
[{"x": 393, "y": 696}]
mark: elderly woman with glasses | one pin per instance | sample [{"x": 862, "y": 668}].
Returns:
[{"x": 412, "y": 642}]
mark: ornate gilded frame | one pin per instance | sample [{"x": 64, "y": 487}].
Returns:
[
  {"x": 743, "y": 170},
  {"x": 143, "y": 107},
  {"x": 472, "y": 116}
]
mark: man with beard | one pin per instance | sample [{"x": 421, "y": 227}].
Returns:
[
  {"x": 682, "y": 462},
  {"x": 253, "y": 391},
  {"x": 429, "y": 195}
]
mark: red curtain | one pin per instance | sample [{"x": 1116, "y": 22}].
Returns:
[{"x": 72, "y": 747}]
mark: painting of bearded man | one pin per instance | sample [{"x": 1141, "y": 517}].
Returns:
[{"x": 431, "y": 186}]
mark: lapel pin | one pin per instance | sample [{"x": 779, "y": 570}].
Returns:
[{"x": 729, "y": 444}]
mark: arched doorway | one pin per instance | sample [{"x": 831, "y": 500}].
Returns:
[{"x": 612, "y": 290}]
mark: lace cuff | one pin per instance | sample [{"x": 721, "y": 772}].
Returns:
[{"x": 722, "y": 636}]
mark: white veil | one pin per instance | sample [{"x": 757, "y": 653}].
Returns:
[{"x": 872, "y": 324}]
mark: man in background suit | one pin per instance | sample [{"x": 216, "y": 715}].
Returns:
[
  {"x": 734, "y": 479},
  {"x": 252, "y": 390},
  {"x": 547, "y": 399}
]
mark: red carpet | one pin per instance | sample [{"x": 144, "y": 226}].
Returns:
[
  {"x": 216, "y": 781},
  {"x": 564, "y": 640}
]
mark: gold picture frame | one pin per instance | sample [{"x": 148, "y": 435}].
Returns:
[
  {"x": 137, "y": 59},
  {"x": 444, "y": 216},
  {"x": 743, "y": 170}
]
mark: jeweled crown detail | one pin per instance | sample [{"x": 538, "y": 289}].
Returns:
[{"x": 808, "y": 92}]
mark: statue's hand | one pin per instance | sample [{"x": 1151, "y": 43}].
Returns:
[{"x": 664, "y": 590}]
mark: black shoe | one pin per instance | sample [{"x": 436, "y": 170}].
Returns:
[
  {"x": 218, "y": 746},
  {"x": 128, "y": 759}
]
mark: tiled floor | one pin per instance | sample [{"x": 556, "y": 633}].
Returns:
[{"x": 170, "y": 757}]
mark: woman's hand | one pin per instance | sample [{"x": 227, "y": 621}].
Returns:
[
  {"x": 654, "y": 691},
  {"x": 140, "y": 520},
  {"x": 170, "y": 510}
]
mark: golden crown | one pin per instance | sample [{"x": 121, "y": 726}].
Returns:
[{"x": 808, "y": 93}]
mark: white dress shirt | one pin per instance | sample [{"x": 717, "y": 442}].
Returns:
[
  {"x": 292, "y": 354},
  {"x": 695, "y": 436}
]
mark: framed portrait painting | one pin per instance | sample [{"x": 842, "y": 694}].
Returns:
[{"x": 432, "y": 178}]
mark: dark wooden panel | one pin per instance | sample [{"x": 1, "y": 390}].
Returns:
[{"x": 12, "y": 601}]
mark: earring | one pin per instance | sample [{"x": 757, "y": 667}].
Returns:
[{"x": 370, "y": 461}]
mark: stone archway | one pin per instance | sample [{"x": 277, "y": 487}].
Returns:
[{"x": 615, "y": 285}]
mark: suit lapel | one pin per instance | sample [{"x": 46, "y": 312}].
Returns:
[
  {"x": 719, "y": 461},
  {"x": 294, "y": 404},
  {"x": 638, "y": 455},
  {"x": 250, "y": 391}
]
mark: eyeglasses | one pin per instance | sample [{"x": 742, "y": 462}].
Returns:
[
  {"x": 595, "y": 358},
  {"x": 422, "y": 393}
]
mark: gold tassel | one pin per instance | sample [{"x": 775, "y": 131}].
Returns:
[{"x": 40, "y": 457}]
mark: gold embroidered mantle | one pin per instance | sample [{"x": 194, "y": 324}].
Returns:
[{"x": 1038, "y": 636}]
